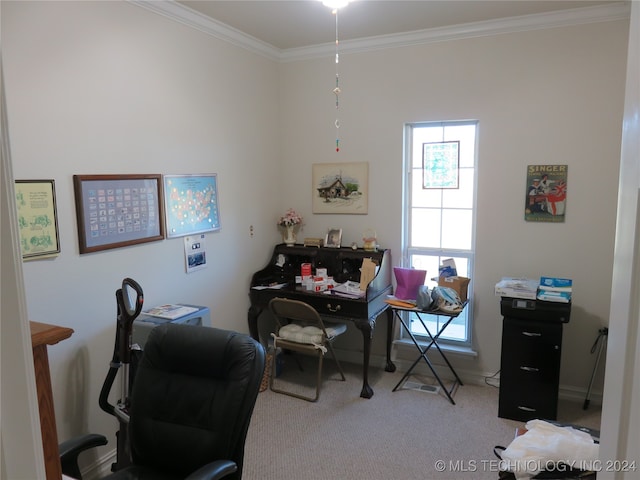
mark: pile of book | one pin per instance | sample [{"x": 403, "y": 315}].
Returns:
[{"x": 553, "y": 289}]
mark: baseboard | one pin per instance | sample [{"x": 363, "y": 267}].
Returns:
[
  {"x": 101, "y": 468},
  {"x": 471, "y": 377}
]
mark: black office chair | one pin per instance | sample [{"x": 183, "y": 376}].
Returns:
[{"x": 191, "y": 403}]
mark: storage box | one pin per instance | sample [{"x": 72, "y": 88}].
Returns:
[
  {"x": 554, "y": 289},
  {"x": 459, "y": 284}
]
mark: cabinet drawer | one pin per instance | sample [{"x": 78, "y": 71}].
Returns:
[
  {"x": 529, "y": 373},
  {"x": 525, "y": 411},
  {"x": 531, "y": 343},
  {"x": 524, "y": 400}
]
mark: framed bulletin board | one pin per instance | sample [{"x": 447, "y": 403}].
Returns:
[
  {"x": 191, "y": 203},
  {"x": 118, "y": 210},
  {"x": 37, "y": 218}
]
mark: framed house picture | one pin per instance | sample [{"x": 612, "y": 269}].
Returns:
[{"x": 340, "y": 188}]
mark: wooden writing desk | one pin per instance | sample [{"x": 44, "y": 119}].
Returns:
[
  {"x": 343, "y": 264},
  {"x": 42, "y": 335}
]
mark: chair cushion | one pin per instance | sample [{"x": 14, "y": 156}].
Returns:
[{"x": 310, "y": 334}]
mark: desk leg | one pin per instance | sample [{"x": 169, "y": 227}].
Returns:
[
  {"x": 252, "y": 318},
  {"x": 390, "y": 366},
  {"x": 52, "y": 466},
  {"x": 367, "y": 332}
]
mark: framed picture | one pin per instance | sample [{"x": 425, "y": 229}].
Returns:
[
  {"x": 333, "y": 238},
  {"x": 191, "y": 204},
  {"x": 118, "y": 210},
  {"x": 340, "y": 187},
  {"x": 546, "y": 196},
  {"x": 37, "y": 218},
  {"x": 440, "y": 163}
]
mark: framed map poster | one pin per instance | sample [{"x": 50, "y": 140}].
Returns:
[
  {"x": 191, "y": 204},
  {"x": 118, "y": 210},
  {"x": 37, "y": 218}
]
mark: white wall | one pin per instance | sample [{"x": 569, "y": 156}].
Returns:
[
  {"x": 541, "y": 97},
  {"x": 106, "y": 87}
]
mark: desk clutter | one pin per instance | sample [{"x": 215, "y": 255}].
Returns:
[
  {"x": 449, "y": 296},
  {"x": 321, "y": 281},
  {"x": 442, "y": 300},
  {"x": 549, "y": 289}
]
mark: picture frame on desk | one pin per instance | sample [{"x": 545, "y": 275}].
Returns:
[
  {"x": 116, "y": 211},
  {"x": 333, "y": 238}
]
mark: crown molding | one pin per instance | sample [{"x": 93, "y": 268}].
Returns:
[
  {"x": 562, "y": 18},
  {"x": 179, "y": 13}
]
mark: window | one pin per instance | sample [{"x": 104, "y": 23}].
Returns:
[{"x": 439, "y": 210}]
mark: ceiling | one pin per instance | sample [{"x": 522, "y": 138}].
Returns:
[{"x": 289, "y": 24}]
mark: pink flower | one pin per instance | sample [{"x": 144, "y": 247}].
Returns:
[{"x": 290, "y": 219}]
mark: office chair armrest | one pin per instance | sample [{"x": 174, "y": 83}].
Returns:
[
  {"x": 214, "y": 470},
  {"x": 70, "y": 449}
]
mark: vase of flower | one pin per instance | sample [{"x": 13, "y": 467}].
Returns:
[
  {"x": 289, "y": 236},
  {"x": 290, "y": 222}
]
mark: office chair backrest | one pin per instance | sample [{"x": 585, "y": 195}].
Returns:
[{"x": 193, "y": 397}]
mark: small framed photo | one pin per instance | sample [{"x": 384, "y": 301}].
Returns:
[{"x": 333, "y": 238}]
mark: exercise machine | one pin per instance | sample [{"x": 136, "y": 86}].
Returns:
[{"x": 129, "y": 300}]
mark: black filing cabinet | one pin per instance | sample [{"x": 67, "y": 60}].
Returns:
[{"x": 530, "y": 358}]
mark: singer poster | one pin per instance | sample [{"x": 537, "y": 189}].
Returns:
[{"x": 546, "y": 197}]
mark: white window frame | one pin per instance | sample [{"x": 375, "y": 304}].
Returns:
[{"x": 408, "y": 251}]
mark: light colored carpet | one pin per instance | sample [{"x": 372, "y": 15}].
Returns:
[{"x": 403, "y": 435}]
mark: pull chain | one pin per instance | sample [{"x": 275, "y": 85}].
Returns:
[{"x": 337, "y": 90}]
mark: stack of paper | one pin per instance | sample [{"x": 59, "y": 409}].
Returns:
[
  {"x": 517, "y": 288},
  {"x": 554, "y": 289},
  {"x": 170, "y": 312}
]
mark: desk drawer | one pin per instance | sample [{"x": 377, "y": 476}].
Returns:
[{"x": 331, "y": 305}]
